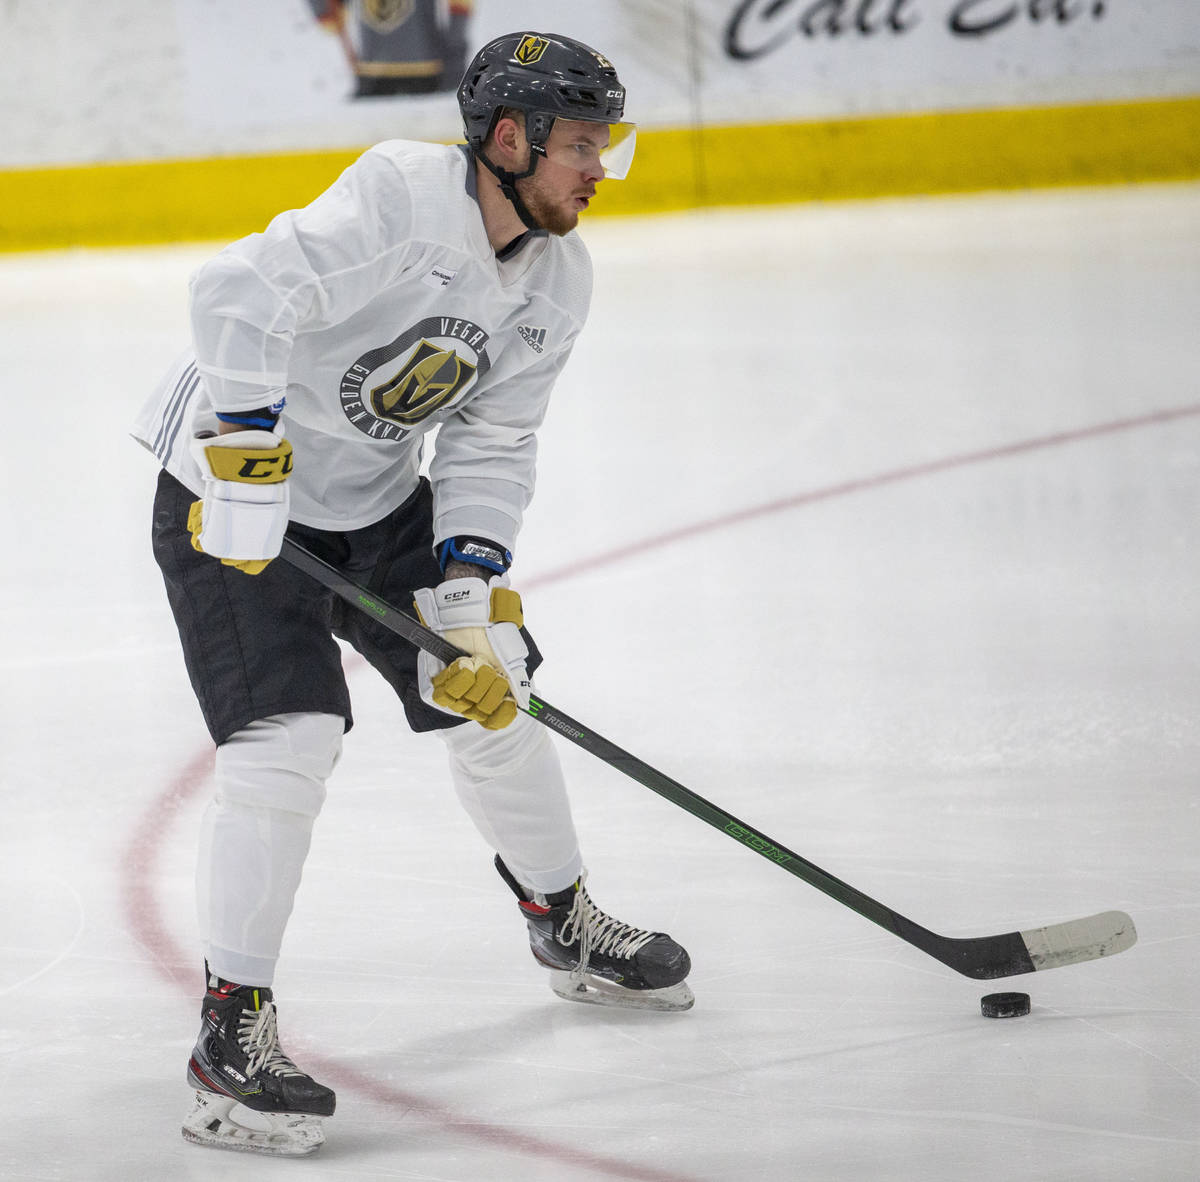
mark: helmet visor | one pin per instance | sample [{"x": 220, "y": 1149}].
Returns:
[{"x": 593, "y": 147}]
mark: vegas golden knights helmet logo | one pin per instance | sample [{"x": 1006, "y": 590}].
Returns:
[
  {"x": 530, "y": 49},
  {"x": 429, "y": 378}
]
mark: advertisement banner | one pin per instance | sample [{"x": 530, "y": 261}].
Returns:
[{"x": 144, "y": 80}]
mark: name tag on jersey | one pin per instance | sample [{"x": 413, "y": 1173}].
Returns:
[{"x": 439, "y": 277}]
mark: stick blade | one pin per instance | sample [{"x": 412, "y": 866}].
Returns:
[{"x": 1079, "y": 940}]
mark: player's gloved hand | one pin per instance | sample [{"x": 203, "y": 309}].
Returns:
[
  {"x": 484, "y": 620},
  {"x": 244, "y": 513}
]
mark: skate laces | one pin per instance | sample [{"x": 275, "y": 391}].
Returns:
[
  {"x": 258, "y": 1036},
  {"x": 597, "y": 931}
]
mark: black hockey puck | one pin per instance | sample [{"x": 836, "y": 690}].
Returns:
[{"x": 1005, "y": 1005}]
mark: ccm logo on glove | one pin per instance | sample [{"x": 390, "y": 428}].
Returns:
[{"x": 266, "y": 467}]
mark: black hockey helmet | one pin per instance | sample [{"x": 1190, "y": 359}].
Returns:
[{"x": 546, "y": 76}]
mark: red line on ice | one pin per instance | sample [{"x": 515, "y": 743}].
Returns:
[
  {"x": 861, "y": 484},
  {"x": 173, "y": 964}
]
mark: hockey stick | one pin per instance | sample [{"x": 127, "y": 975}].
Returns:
[{"x": 981, "y": 957}]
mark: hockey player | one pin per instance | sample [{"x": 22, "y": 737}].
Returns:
[{"x": 429, "y": 286}]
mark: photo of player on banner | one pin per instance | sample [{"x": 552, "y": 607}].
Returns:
[{"x": 399, "y": 46}]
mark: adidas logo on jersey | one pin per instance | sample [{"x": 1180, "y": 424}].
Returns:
[{"x": 535, "y": 338}]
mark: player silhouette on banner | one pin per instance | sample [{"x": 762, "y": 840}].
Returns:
[{"x": 399, "y": 46}]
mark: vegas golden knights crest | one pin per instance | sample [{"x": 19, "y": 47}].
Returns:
[
  {"x": 386, "y": 16},
  {"x": 395, "y": 389},
  {"x": 429, "y": 378},
  {"x": 530, "y": 49}
]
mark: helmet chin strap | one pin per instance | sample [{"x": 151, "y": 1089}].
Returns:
[{"x": 508, "y": 183}]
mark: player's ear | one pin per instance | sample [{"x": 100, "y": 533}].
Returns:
[{"x": 509, "y": 137}]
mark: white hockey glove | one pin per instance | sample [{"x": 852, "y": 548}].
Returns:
[
  {"x": 244, "y": 513},
  {"x": 484, "y": 620}
]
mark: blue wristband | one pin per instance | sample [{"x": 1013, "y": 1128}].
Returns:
[
  {"x": 478, "y": 551},
  {"x": 263, "y": 418}
]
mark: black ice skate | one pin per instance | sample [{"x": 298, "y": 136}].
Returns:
[
  {"x": 249, "y": 1094},
  {"x": 595, "y": 958}
]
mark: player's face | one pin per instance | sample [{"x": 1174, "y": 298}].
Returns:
[{"x": 565, "y": 181}]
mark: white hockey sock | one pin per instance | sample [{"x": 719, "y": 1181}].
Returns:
[
  {"x": 255, "y": 836},
  {"x": 511, "y": 784}
]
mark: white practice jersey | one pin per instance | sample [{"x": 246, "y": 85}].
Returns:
[{"x": 373, "y": 315}]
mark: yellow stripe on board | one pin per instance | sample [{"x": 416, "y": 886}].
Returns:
[
  {"x": 219, "y": 199},
  {"x": 158, "y": 201},
  {"x": 943, "y": 152}
]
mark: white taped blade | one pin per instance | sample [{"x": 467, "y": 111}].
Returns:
[{"x": 1080, "y": 940}]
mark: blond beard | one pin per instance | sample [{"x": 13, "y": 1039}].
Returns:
[{"x": 546, "y": 213}]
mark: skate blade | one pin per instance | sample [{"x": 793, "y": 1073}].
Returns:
[
  {"x": 598, "y": 992},
  {"x": 223, "y": 1123}
]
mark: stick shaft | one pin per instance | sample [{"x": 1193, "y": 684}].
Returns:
[{"x": 982, "y": 957}]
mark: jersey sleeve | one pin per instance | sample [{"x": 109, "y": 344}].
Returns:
[
  {"x": 310, "y": 269},
  {"x": 485, "y": 457}
]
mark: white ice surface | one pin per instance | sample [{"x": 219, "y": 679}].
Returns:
[{"x": 857, "y": 520}]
